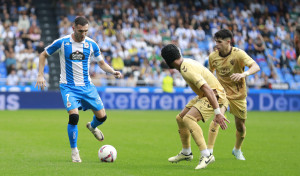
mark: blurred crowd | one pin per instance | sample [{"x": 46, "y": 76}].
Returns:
[
  {"x": 20, "y": 43},
  {"x": 131, "y": 34}
]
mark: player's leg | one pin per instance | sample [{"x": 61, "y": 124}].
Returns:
[
  {"x": 98, "y": 119},
  {"x": 213, "y": 133},
  {"x": 239, "y": 109},
  {"x": 240, "y": 136},
  {"x": 190, "y": 120},
  {"x": 73, "y": 134},
  {"x": 70, "y": 100},
  {"x": 184, "y": 133},
  {"x": 92, "y": 100}
]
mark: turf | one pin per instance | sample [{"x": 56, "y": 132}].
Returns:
[{"x": 35, "y": 142}]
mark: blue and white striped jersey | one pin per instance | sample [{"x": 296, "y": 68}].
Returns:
[{"x": 75, "y": 59}]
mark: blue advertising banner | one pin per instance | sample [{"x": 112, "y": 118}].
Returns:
[{"x": 259, "y": 101}]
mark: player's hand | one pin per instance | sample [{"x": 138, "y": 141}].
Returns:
[
  {"x": 41, "y": 83},
  {"x": 220, "y": 119},
  {"x": 237, "y": 76},
  {"x": 117, "y": 74}
]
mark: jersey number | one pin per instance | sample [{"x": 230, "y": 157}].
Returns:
[{"x": 67, "y": 96}]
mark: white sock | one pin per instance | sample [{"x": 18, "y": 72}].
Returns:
[
  {"x": 74, "y": 149},
  {"x": 186, "y": 151},
  {"x": 205, "y": 152},
  {"x": 236, "y": 149},
  {"x": 211, "y": 150}
]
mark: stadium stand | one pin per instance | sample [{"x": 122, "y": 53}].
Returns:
[{"x": 131, "y": 34}]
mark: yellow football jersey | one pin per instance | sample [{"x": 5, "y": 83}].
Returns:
[
  {"x": 235, "y": 62},
  {"x": 195, "y": 74}
]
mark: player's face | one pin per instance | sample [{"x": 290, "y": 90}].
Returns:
[
  {"x": 222, "y": 44},
  {"x": 80, "y": 32}
]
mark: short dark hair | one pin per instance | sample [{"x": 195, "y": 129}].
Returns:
[
  {"x": 223, "y": 34},
  {"x": 170, "y": 53},
  {"x": 80, "y": 20}
]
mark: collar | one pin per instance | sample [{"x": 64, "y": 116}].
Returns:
[{"x": 227, "y": 53}]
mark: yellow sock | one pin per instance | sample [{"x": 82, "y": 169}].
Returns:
[
  {"x": 212, "y": 134},
  {"x": 239, "y": 139},
  {"x": 184, "y": 133},
  {"x": 195, "y": 130}
]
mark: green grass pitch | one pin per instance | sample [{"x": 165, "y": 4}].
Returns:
[{"x": 35, "y": 142}]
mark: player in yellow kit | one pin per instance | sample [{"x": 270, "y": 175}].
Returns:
[
  {"x": 210, "y": 95},
  {"x": 297, "y": 42},
  {"x": 229, "y": 63}
]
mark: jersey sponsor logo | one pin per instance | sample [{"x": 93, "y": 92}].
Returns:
[
  {"x": 67, "y": 44},
  {"x": 225, "y": 71},
  {"x": 184, "y": 69},
  {"x": 77, "y": 55}
]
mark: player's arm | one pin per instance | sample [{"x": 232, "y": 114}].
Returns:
[
  {"x": 245, "y": 60},
  {"x": 49, "y": 50},
  {"x": 253, "y": 68},
  {"x": 104, "y": 66},
  {"x": 41, "y": 83},
  {"x": 210, "y": 95}
]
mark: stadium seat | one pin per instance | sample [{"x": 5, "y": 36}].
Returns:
[
  {"x": 293, "y": 64},
  {"x": 2, "y": 70},
  {"x": 279, "y": 74},
  {"x": 267, "y": 70},
  {"x": 297, "y": 78},
  {"x": 289, "y": 78}
]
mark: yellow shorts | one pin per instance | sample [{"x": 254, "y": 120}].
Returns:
[
  {"x": 238, "y": 108},
  {"x": 204, "y": 107}
]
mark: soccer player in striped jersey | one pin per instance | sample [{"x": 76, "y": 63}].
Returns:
[{"x": 78, "y": 92}]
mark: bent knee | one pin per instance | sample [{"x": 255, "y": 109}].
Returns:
[
  {"x": 73, "y": 119},
  {"x": 241, "y": 128}
]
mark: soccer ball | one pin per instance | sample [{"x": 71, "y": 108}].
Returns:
[{"x": 107, "y": 153}]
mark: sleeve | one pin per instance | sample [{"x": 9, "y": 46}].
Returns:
[
  {"x": 246, "y": 60},
  {"x": 97, "y": 53},
  {"x": 54, "y": 47},
  {"x": 211, "y": 67},
  {"x": 194, "y": 78}
]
